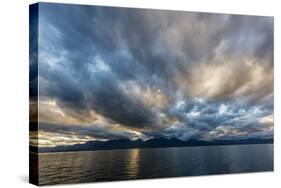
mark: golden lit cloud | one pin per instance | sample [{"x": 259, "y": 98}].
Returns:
[
  {"x": 223, "y": 80},
  {"x": 51, "y": 139},
  {"x": 267, "y": 120},
  {"x": 50, "y": 112},
  {"x": 78, "y": 127},
  {"x": 149, "y": 96}
]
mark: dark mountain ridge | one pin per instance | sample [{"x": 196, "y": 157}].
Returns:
[{"x": 152, "y": 143}]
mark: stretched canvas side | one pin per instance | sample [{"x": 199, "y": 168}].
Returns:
[{"x": 33, "y": 94}]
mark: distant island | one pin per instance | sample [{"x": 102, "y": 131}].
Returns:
[{"x": 152, "y": 143}]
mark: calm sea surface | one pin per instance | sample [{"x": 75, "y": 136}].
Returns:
[{"x": 89, "y": 166}]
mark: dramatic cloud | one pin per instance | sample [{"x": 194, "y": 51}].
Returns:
[{"x": 118, "y": 73}]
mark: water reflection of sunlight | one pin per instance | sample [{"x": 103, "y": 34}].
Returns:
[{"x": 133, "y": 163}]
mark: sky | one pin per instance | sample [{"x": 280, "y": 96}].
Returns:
[{"x": 120, "y": 73}]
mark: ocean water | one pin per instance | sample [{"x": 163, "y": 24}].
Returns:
[{"x": 126, "y": 164}]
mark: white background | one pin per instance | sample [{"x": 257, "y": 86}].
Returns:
[{"x": 14, "y": 92}]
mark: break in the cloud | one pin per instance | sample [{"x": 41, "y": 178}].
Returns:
[{"x": 112, "y": 73}]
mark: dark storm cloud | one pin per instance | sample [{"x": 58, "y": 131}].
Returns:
[
  {"x": 33, "y": 52},
  {"x": 102, "y": 93},
  {"x": 115, "y": 60}
]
